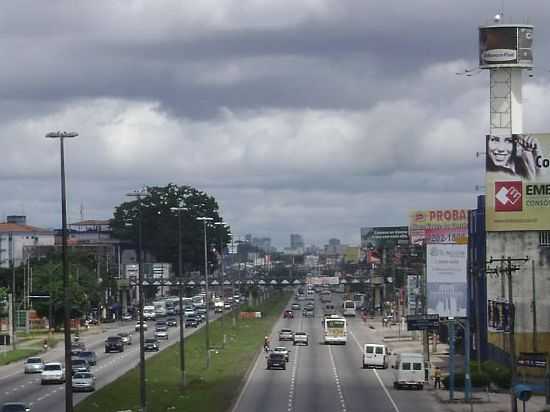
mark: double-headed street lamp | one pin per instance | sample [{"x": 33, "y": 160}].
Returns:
[
  {"x": 204, "y": 220},
  {"x": 142, "y": 388},
  {"x": 66, "y": 287},
  {"x": 178, "y": 210}
]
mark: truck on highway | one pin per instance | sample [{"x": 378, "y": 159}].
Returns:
[
  {"x": 349, "y": 308},
  {"x": 408, "y": 370},
  {"x": 335, "y": 330},
  {"x": 149, "y": 312},
  {"x": 160, "y": 308},
  {"x": 219, "y": 306}
]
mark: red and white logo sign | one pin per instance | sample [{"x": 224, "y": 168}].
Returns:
[{"x": 508, "y": 197}]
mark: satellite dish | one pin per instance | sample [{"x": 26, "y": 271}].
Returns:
[{"x": 497, "y": 18}]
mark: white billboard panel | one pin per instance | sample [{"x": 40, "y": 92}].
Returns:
[{"x": 446, "y": 281}]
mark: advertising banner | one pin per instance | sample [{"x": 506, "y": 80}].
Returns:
[
  {"x": 375, "y": 239},
  {"x": 498, "y": 316},
  {"x": 438, "y": 226},
  {"x": 517, "y": 182},
  {"x": 414, "y": 304},
  {"x": 446, "y": 279},
  {"x": 505, "y": 46}
]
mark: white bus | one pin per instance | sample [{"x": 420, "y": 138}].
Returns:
[
  {"x": 349, "y": 308},
  {"x": 335, "y": 329},
  {"x": 149, "y": 312}
]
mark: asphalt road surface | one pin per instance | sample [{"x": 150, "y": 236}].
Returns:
[
  {"x": 327, "y": 378},
  {"x": 15, "y": 386}
]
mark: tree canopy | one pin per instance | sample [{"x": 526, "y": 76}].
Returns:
[{"x": 160, "y": 224}]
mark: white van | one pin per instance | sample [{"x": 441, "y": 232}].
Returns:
[
  {"x": 375, "y": 355},
  {"x": 408, "y": 370}
]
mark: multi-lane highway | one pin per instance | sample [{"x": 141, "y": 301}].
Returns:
[
  {"x": 327, "y": 378},
  {"x": 17, "y": 386}
]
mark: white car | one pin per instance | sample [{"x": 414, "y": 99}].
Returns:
[
  {"x": 83, "y": 381},
  {"x": 161, "y": 334},
  {"x": 300, "y": 338},
  {"x": 53, "y": 372},
  {"x": 34, "y": 365}
]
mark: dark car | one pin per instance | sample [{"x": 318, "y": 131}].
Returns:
[
  {"x": 288, "y": 314},
  {"x": 79, "y": 365},
  {"x": 171, "y": 322},
  {"x": 151, "y": 345},
  {"x": 276, "y": 360},
  {"x": 77, "y": 347},
  {"x": 114, "y": 344},
  {"x": 88, "y": 356},
  {"x": 14, "y": 407},
  {"x": 191, "y": 322}
]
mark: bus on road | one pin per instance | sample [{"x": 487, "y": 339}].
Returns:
[
  {"x": 335, "y": 330},
  {"x": 349, "y": 308}
]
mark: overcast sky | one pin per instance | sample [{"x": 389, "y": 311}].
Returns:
[{"x": 308, "y": 116}]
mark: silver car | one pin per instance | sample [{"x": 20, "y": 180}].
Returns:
[
  {"x": 34, "y": 365},
  {"x": 126, "y": 338},
  {"x": 83, "y": 381}
]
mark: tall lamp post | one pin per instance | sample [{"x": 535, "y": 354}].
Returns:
[
  {"x": 204, "y": 220},
  {"x": 223, "y": 225},
  {"x": 178, "y": 210},
  {"x": 138, "y": 194},
  {"x": 66, "y": 287}
]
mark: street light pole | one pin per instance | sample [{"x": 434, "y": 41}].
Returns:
[
  {"x": 204, "y": 220},
  {"x": 223, "y": 225},
  {"x": 180, "y": 294},
  {"x": 66, "y": 287},
  {"x": 142, "y": 386}
]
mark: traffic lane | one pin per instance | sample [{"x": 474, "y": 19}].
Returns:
[
  {"x": 115, "y": 366},
  {"x": 269, "y": 390},
  {"x": 316, "y": 387},
  {"x": 361, "y": 389},
  {"x": 15, "y": 383},
  {"x": 108, "y": 368},
  {"x": 404, "y": 400}
]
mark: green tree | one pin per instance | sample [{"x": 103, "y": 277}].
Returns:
[
  {"x": 86, "y": 291},
  {"x": 160, "y": 224}
]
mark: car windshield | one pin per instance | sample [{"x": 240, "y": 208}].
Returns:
[
  {"x": 14, "y": 408},
  {"x": 52, "y": 367},
  {"x": 280, "y": 349},
  {"x": 123, "y": 334},
  {"x": 82, "y": 375},
  {"x": 34, "y": 360},
  {"x": 150, "y": 340},
  {"x": 86, "y": 354},
  {"x": 113, "y": 339}
]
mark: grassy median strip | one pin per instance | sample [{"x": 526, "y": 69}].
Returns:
[
  {"x": 29, "y": 350},
  {"x": 212, "y": 389}
]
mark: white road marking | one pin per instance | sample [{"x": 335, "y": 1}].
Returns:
[
  {"x": 337, "y": 379},
  {"x": 377, "y": 376}
]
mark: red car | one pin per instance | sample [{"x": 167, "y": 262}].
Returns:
[{"x": 288, "y": 314}]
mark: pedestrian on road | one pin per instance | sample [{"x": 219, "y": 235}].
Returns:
[
  {"x": 437, "y": 378},
  {"x": 45, "y": 344}
]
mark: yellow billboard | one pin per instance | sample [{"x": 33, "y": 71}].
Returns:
[
  {"x": 517, "y": 182},
  {"x": 438, "y": 226}
]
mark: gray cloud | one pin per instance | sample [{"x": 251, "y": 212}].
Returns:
[{"x": 318, "y": 116}]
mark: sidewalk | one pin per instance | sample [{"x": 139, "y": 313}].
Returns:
[{"x": 400, "y": 340}]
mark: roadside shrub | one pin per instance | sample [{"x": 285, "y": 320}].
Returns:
[
  {"x": 499, "y": 374},
  {"x": 479, "y": 380}
]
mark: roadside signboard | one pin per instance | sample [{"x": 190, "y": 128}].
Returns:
[
  {"x": 532, "y": 359},
  {"x": 423, "y": 322}
]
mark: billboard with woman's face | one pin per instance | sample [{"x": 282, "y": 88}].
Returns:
[{"x": 517, "y": 182}]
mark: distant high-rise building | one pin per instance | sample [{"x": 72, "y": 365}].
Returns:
[
  {"x": 296, "y": 241},
  {"x": 334, "y": 242},
  {"x": 263, "y": 243},
  {"x": 248, "y": 238}
]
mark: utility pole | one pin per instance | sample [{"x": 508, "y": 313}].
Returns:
[
  {"x": 13, "y": 294},
  {"x": 141, "y": 299},
  {"x": 509, "y": 269},
  {"x": 534, "y": 308}
]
